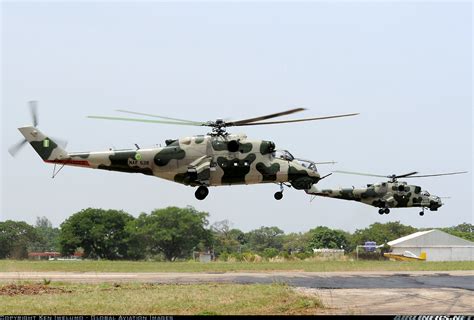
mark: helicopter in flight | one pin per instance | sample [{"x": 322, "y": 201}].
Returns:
[
  {"x": 386, "y": 195},
  {"x": 215, "y": 159}
]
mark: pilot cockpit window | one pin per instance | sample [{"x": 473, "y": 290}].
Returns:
[
  {"x": 283, "y": 154},
  {"x": 425, "y": 193}
]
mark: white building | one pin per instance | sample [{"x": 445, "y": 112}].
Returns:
[{"x": 438, "y": 245}]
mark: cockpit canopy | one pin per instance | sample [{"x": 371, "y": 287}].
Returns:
[
  {"x": 287, "y": 156},
  {"x": 308, "y": 164},
  {"x": 284, "y": 155}
]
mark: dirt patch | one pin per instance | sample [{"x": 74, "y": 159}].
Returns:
[
  {"x": 29, "y": 289},
  {"x": 394, "y": 301}
]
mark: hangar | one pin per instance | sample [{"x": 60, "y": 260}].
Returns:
[{"x": 438, "y": 245}]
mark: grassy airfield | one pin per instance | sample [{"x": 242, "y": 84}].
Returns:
[
  {"x": 43, "y": 297},
  {"x": 191, "y": 266},
  {"x": 208, "y": 299}
]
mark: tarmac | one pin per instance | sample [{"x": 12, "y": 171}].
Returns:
[{"x": 421, "y": 292}]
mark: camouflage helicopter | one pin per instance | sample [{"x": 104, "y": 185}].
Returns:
[
  {"x": 216, "y": 159},
  {"x": 385, "y": 195}
]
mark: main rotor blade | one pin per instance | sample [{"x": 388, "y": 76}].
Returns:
[
  {"x": 147, "y": 121},
  {"x": 34, "y": 112},
  {"x": 155, "y": 116},
  {"x": 360, "y": 174},
  {"x": 13, "y": 150},
  {"x": 406, "y": 175},
  {"x": 290, "y": 121},
  {"x": 269, "y": 116},
  {"x": 438, "y": 174}
]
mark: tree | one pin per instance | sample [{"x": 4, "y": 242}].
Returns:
[
  {"x": 264, "y": 237},
  {"x": 323, "y": 237},
  {"x": 101, "y": 233},
  {"x": 226, "y": 239},
  {"x": 15, "y": 237},
  {"x": 297, "y": 242},
  {"x": 173, "y": 232},
  {"x": 381, "y": 233},
  {"x": 48, "y": 236},
  {"x": 463, "y": 230},
  {"x": 464, "y": 227}
]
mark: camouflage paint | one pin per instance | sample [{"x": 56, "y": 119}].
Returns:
[
  {"x": 163, "y": 157},
  {"x": 222, "y": 145},
  {"x": 235, "y": 170},
  {"x": 269, "y": 174},
  {"x": 386, "y": 194},
  {"x": 124, "y": 161},
  {"x": 198, "y": 160},
  {"x": 300, "y": 177},
  {"x": 44, "y": 149}
]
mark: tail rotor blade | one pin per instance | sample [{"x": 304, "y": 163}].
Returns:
[
  {"x": 13, "y": 150},
  {"x": 34, "y": 112}
]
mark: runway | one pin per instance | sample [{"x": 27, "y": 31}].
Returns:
[
  {"x": 450, "y": 292},
  {"x": 322, "y": 280}
]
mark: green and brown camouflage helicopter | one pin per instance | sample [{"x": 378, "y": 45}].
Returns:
[
  {"x": 385, "y": 195},
  {"x": 216, "y": 159}
]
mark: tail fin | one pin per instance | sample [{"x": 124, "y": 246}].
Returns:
[
  {"x": 47, "y": 149},
  {"x": 422, "y": 255}
]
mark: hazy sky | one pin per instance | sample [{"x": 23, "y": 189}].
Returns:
[{"x": 406, "y": 67}]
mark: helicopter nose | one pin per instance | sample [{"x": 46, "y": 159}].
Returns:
[{"x": 435, "y": 202}]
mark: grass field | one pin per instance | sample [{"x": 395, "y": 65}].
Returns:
[
  {"x": 145, "y": 266},
  {"x": 58, "y": 298}
]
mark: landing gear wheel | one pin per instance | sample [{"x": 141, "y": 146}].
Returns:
[
  {"x": 201, "y": 192},
  {"x": 278, "y": 195},
  {"x": 386, "y": 211},
  {"x": 422, "y": 213},
  {"x": 380, "y": 211}
]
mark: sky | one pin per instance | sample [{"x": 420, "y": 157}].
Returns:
[{"x": 406, "y": 67}]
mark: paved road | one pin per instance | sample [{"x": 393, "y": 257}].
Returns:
[
  {"x": 321, "y": 280},
  {"x": 449, "y": 292}
]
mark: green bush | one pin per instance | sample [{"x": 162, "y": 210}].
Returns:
[
  {"x": 270, "y": 253},
  {"x": 224, "y": 256},
  {"x": 303, "y": 255},
  {"x": 285, "y": 255}
]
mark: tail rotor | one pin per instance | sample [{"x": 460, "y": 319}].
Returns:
[{"x": 14, "y": 149}]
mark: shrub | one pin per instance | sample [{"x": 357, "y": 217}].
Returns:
[{"x": 270, "y": 253}]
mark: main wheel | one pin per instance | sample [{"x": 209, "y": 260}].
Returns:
[
  {"x": 380, "y": 211},
  {"x": 201, "y": 192},
  {"x": 422, "y": 213},
  {"x": 278, "y": 195},
  {"x": 386, "y": 210}
]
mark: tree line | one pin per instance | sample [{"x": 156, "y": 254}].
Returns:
[{"x": 175, "y": 233}]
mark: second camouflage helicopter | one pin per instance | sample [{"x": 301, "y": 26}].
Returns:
[{"x": 386, "y": 195}]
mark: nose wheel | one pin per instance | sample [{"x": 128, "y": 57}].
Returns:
[
  {"x": 279, "y": 195},
  {"x": 422, "y": 212},
  {"x": 384, "y": 211},
  {"x": 201, "y": 192}
]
